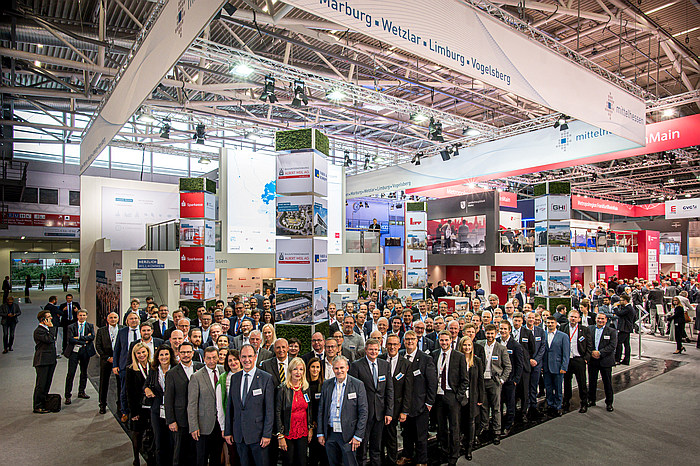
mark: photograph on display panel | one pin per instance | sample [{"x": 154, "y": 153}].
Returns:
[{"x": 461, "y": 235}]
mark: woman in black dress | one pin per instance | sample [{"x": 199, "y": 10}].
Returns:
[
  {"x": 677, "y": 319},
  {"x": 139, "y": 412},
  {"x": 163, "y": 360},
  {"x": 317, "y": 454},
  {"x": 475, "y": 372}
]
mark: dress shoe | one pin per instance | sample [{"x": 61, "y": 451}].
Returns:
[
  {"x": 506, "y": 432},
  {"x": 559, "y": 412},
  {"x": 11, "y": 349},
  {"x": 591, "y": 403},
  {"x": 103, "y": 410},
  {"x": 41, "y": 411},
  {"x": 5, "y": 351},
  {"x": 68, "y": 401},
  {"x": 84, "y": 396},
  {"x": 609, "y": 408},
  {"x": 583, "y": 409},
  {"x": 497, "y": 439},
  {"x": 468, "y": 456}
]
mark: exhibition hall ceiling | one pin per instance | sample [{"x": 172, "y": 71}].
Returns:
[{"x": 63, "y": 61}]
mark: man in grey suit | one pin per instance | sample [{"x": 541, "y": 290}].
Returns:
[
  {"x": 497, "y": 369},
  {"x": 201, "y": 411},
  {"x": 555, "y": 363},
  {"x": 250, "y": 411},
  {"x": 342, "y": 415}
]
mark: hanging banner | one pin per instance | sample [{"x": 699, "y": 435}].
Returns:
[
  {"x": 683, "y": 208},
  {"x": 521, "y": 152},
  {"x": 177, "y": 25},
  {"x": 459, "y": 37}
]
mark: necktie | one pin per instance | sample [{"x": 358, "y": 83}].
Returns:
[
  {"x": 70, "y": 313},
  {"x": 374, "y": 373},
  {"x": 214, "y": 378},
  {"x": 245, "y": 389},
  {"x": 163, "y": 332},
  {"x": 443, "y": 372},
  {"x": 82, "y": 330},
  {"x": 282, "y": 376},
  {"x": 134, "y": 334}
]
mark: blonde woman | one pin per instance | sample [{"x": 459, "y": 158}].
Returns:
[
  {"x": 139, "y": 412},
  {"x": 475, "y": 373},
  {"x": 269, "y": 337},
  {"x": 293, "y": 415}
]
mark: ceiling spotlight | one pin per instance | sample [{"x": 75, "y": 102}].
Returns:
[
  {"x": 366, "y": 164},
  {"x": 669, "y": 112},
  {"x": 165, "y": 128},
  {"x": 561, "y": 123},
  {"x": 416, "y": 159},
  {"x": 145, "y": 116},
  {"x": 336, "y": 95},
  {"x": 671, "y": 180},
  {"x": 435, "y": 131},
  {"x": 418, "y": 118},
  {"x": 687, "y": 194},
  {"x": 268, "y": 93},
  {"x": 347, "y": 162},
  {"x": 199, "y": 133},
  {"x": 456, "y": 147},
  {"x": 204, "y": 161},
  {"x": 242, "y": 69},
  {"x": 299, "y": 94},
  {"x": 445, "y": 154},
  {"x": 468, "y": 131}
]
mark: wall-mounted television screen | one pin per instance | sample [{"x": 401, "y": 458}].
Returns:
[{"x": 512, "y": 278}]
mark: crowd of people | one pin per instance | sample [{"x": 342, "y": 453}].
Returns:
[{"x": 222, "y": 388}]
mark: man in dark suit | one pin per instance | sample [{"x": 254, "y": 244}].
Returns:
[
  {"x": 134, "y": 309},
  {"x": 425, "y": 344},
  {"x": 580, "y": 347},
  {"x": 517, "y": 360},
  {"x": 522, "y": 335},
  {"x": 251, "y": 397},
  {"x": 379, "y": 387},
  {"x": 235, "y": 329},
  {"x": 80, "y": 349},
  {"x": 243, "y": 337},
  {"x": 147, "y": 338},
  {"x": 497, "y": 369},
  {"x": 655, "y": 298},
  {"x": 163, "y": 323},
  {"x": 277, "y": 367},
  {"x": 68, "y": 312},
  {"x": 175, "y": 400},
  {"x": 451, "y": 393},
  {"x": 317, "y": 341},
  {"x": 338, "y": 322},
  {"x": 44, "y": 360},
  {"x": 261, "y": 354},
  {"x": 402, "y": 379},
  {"x": 104, "y": 344},
  {"x": 604, "y": 341},
  {"x": 122, "y": 358},
  {"x": 560, "y": 314},
  {"x": 415, "y": 445},
  {"x": 342, "y": 415},
  {"x": 535, "y": 362},
  {"x": 625, "y": 326},
  {"x": 423, "y": 311},
  {"x": 555, "y": 362},
  {"x": 55, "y": 315}
]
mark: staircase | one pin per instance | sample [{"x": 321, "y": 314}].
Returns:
[{"x": 141, "y": 286}]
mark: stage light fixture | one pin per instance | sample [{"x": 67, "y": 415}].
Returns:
[
  {"x": 366, "y": 164},
  {"x": 268, "y": 94},
  {"x": 445, "y": 154},
  {"x": 418, "y": 118},
  {"x": 416, "y": 159},
  {"x": 200, "y": 133},
  {"x": 435, "y": 130},
  {"x": 347, "y": 162},
  {"x": 336, "y": 95},
  {"x": 242, "y": 69},
  {"x": 561, "y": 123},
  {"x": 455, "y": 153},
  {"x": 165, "y": 128},
  {"x": 144, "y": 116},
  {"x": 299, "y": 94},
  {"x": 204, "y": 161}
]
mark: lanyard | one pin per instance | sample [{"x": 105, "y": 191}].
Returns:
[
  {"x": 571, "y": 337},
  {"x": 145, "y": 374}
]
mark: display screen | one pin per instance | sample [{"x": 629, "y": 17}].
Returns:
[
  {"x": 461, "y": 235},
  {"x": 512, "y": 278}
]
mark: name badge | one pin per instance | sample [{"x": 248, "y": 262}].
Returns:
[
  {"x": 381, "y": 379},
  {"x": 162, "y": 411},
  {"x": 399, "y": 376},
  {"x": 317, "y": 396},
  {"x": 306, "y": 397},
  {"x": 525, "y": 340},
  {"x": 582, "y": 338},
  {"x": 510, "y": 351},
  {"x": 606, "y": 337},
  {"x": 352, "y": 396},
  {"x": 494, "y": 358},
  {"x": 416, "y": 373},
  {"x": 257, "y": 392},
  {"x": 538, "y": 338}
]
